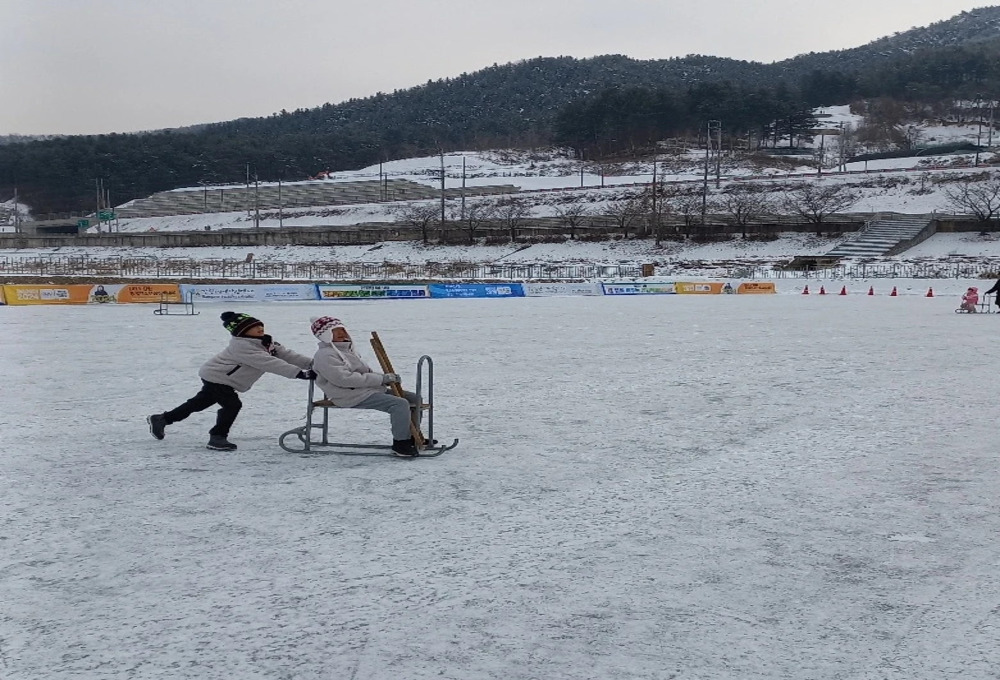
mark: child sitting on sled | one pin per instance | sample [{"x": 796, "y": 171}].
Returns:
[
  {"x": 970, "y": 299},
  {"x": 348, "y": 382}
]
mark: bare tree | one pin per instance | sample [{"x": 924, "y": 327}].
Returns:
[
  {"x": 981, "y": 199},
  {"x": 628, "y": 212},
  {"x": 687, "y": 204},
  {"x": 477, "y": 213},
  {"x": 573, "y": 215},
  {"x": 512, "y": 212},
  {"x": 657, "y": 198},
  {"x": 743, "y": 203},
  {"x": 814, "y": 202},
  {"x": 417, "y": 215}
]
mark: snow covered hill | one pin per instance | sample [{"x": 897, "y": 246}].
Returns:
[{"x": 550, "y": 179}]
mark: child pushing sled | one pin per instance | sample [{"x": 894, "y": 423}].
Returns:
[{"x": 250, "y": 354}]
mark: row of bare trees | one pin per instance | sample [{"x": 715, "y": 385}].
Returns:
[{"x": 657, "y": 210}]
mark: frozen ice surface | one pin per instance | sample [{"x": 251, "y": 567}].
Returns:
[{"x": 691, "y": 487}]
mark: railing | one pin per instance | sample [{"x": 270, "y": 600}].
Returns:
[
  {"x": 924, "y": 270},
  {"x": 191, "y": 269}
]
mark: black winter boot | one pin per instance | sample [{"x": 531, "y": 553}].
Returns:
[
  {"x": 157, "y": 425},
  {"x": 404, "y": 448},
  {"x": 219, "y": 443}
]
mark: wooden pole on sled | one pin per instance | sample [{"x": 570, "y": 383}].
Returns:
[{"x": 397, "y": 389}]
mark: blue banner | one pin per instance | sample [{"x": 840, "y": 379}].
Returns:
[{"x": 476, "y": 290}]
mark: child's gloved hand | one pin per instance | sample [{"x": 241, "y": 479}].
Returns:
[
  {"x": 390, "y": 378},
  {"x": 307, "y": 375}
]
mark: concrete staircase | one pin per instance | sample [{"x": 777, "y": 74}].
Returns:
[{"x": 888, "y": 234}]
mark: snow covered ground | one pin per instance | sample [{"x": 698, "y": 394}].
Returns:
[{"x": 628, "y": 499}]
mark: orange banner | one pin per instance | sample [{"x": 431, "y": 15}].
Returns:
[
  {"x": 81, "y": 294},
  {"x": 74, "y": 294},
  {"x": 150, "y": 292},
  {"x": 756, "y": 288},
  {"x": 700, "y": 288}
]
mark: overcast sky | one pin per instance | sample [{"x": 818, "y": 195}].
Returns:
[{"x": 95, "y": 66}]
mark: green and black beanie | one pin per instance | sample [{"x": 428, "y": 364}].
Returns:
[{"x": 239, "y": 324}]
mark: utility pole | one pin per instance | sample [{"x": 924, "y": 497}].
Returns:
[
  {"x": 246, "y": 195},
  {"x": 979, "y": 117},
  {"x": 256, "y": 201},
  {"x": 97, "y": 187},
  {"x": 819, "y": 165},
  {"x": 718, "y": 153},
  {"x": 704, "y": 185},
  {"x": 840, "y": 149},
  {"x": 281, "y": 212},
  {"x": 989, "y": 133},
  {"x": 17, "y": 214},
  {"x": 656, "y": 220},
  {"x": 655, "y": 230},
  {"x": 463, "y": 188},
  {"x": 442, "y": 192},
  {"x": 107, "y": 204}
]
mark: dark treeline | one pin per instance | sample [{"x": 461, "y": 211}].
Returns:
[
  {"x": 600, "y": 106},
  {"x": 631, "y": 119}
]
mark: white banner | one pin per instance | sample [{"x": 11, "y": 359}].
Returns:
[
  {"x": 555, "y": 289},
  {"x": 236, "y": 292}
]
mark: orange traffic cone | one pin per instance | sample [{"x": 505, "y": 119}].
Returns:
[
  {"x": 930, "y": 292},
  {"x": 843, "y": 291},
  {"x": 871, "y": 290},
  {"x": 893, "y": 293},
  {"x": 805, "y": 291},
  {"x": 822, "y": 290}
]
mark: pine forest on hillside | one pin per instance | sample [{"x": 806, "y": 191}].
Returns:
[{"x": 604, "y": 107}]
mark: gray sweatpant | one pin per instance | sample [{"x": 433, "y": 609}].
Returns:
[{"x": 398, "y": 410}]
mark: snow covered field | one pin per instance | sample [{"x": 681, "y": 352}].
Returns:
[{"x": 725, "y": 487}]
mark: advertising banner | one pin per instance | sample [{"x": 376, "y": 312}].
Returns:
[
  {"x": 700, "y": 288},
  {"x": 555, "y": 289},
  {"x": 235, "y": 292},
  {"x": 757, "y": 288},
  {"x": 337, "y": 291},
  {"x": 1, "y": 296},
  {"x": 639, "y": 288},
  {"x": 223, "y": 293},
  {"x": 144, "y": 292},
  {"x": 79, "y": 294},
  {"x": 48, "y": 294},
  {"x": 476, "y": 290},
  {"x": 287, "y": 291}
]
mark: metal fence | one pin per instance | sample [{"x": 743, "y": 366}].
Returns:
[
  {"x": 894, "y": 270},
  {"x": 192, "y": 269},
  {"x": 150, "y": 268}
]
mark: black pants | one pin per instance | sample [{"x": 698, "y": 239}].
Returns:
[{"x": 211, "y": 393}]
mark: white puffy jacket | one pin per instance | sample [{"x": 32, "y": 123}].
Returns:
[
  {"x": 246, "y": 359},
  {"x": 344, "y": 377}
]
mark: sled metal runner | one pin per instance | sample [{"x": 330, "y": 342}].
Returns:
[{"x": 314, "y": 436}]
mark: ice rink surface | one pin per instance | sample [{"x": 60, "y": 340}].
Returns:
[{"x": 659, "y": 487}]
